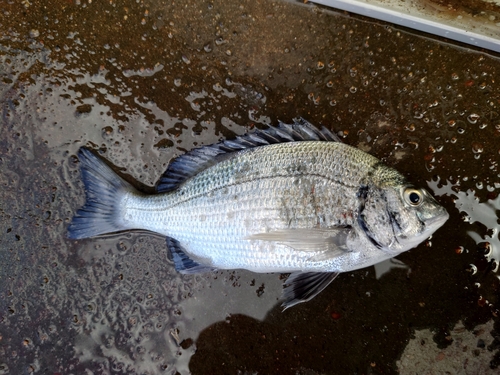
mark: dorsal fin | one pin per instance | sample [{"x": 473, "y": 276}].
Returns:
[{"x": 199, "y": 159}]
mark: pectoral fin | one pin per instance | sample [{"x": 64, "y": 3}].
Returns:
[
  {"x": 331, "y": 240},
  {"x": 304, "y": 286}
]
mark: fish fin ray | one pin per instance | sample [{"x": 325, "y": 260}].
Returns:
[
  {"x": 304, "y": 286},
  {"x": 331, "y": 242},
  {"x": 182, "y": 262},
  {"x": 188, "y": 165},
  {"x": 103, "y": 190}
]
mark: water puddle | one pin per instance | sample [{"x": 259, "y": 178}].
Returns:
[{"x": 474, "y": 211}]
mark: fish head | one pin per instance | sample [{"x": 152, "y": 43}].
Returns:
[
  {"x": 414, "y": 216},
  {"x": 397, "y": 217}
]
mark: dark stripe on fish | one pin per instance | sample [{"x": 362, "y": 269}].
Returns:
[{"x": 362, "y": 194}]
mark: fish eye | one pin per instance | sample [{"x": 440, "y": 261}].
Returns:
[{"x": 413, "y": 197}]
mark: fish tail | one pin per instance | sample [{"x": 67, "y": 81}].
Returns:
[{"x": 104, "y": 191}]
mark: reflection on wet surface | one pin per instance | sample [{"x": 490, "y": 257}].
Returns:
[
  {"x": 142, "y": 82},
  {"x": 485, "y": 213}
]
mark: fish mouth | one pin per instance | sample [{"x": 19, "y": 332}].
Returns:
[
  {"x": 432, "y": 224},
  {"x": 437, "y": 221}
]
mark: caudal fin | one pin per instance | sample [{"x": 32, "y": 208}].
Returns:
[{"x": 104, "y": 190}]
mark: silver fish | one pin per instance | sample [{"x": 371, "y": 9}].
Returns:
[{"x": 290, "y": 199}]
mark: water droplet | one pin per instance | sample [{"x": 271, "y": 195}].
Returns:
[
  {"x": 472, "y": 269},
  {"x": 320, "y": 65},
  {"x": 107, "y": 131},
  {"x": 333, "y": 103},
  {"x": 329, "y": 84},
  {"x": 460, "y": 130},
  {"x": 207, "y": 47},
  {"x": 472, "y": 118},
  {"x": 121, "y": 246},
  {"x": 495, "y": 265},
  {"x": 482, "y": 126},
  {"x": 185, "y": 59},
  {"x": 453, "y": 140},
  {"x": 219, "y": 41},
  {"x": 353, "y": 89},
  {"x": 143, "y": 21},
  {"x": 477, "y": 147},
  {"x": 454, "y": 76},
  {"x": 482, "y": 301},
  {"x": 485, "y": 248},
  {"x": 410, "y": 128},
  {"x": 177, "y": 82}
]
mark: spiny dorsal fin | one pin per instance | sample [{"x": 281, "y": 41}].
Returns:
[{"x": 199, "y": 159}]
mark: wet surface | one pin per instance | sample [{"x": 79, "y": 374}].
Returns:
[{"x": 141, "y": 82}]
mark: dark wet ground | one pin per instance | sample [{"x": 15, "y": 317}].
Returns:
[{"x": 142, "y": 82}]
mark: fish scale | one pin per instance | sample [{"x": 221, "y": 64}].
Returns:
[
  {"x": 263, "y": 203},
  {"x": 288, "y": 199}
]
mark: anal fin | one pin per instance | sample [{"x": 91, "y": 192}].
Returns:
[
  {"x": 304, "y": 286},
  {"x": 182, "y": 262}
]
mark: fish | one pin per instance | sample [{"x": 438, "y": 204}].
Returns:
[{"x": 292, "y": 198}]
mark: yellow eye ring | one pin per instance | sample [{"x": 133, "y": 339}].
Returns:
[{"x": 413, "y": 197}]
